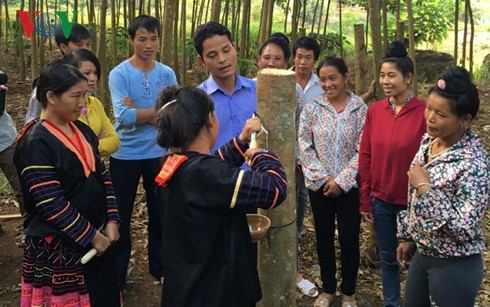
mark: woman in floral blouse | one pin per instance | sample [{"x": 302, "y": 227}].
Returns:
[
  {"x": 449, "y": 182},
  {"x": 329, "y": 136}
]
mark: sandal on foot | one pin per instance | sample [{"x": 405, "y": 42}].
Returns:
[
  {"x": 349, "y": 303},
  {"x": 322, "y": 301},
  {"x": 307, "y": 288}
]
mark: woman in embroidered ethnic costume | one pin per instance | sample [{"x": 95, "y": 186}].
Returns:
[
  {"x": 329, "y": 136},
  {"x": 69, "y": 199},
  {"x": 448, "y": 196},
  {"x": 208, "y": 258}
]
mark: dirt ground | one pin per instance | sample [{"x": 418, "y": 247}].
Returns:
[{"x": 142, "y": 290}]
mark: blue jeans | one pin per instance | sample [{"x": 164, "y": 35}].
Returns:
[
  {"x": 451, "y": 282},
  {"x": 384, "y": 215}
]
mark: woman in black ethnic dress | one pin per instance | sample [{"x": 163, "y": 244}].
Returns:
[
  {"x": 208, "y": 259},
  {"x": 69, "y": 199}
]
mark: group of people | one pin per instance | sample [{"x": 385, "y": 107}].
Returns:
[{"x": 415, "y": 169}]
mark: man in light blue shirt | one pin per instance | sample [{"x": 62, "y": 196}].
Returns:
[
  {"x": 234, "y": 96},
  {"x": 134, "y": 85}
]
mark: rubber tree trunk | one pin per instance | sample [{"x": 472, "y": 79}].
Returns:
[
  {"x": 400, "y": 30},
  {"x": 375, "y": 24},
  {"x": 276, "y": 105},
  {"x": 360, "y": 58},
  {"x": 456, "y": 21},
  {"x": 411, "y": 50}
]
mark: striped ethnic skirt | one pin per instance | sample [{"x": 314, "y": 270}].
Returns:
[{"x": 53, "y": 275}]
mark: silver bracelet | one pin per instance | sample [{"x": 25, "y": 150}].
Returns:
[{"x": 422, "y": 184}]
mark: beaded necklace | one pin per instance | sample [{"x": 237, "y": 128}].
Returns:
[{"x": 429, "y": 153}]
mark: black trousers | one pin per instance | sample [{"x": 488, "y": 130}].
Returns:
[
  {"x": 346, "y": 209},
  {"x": 125, "y": 175}
]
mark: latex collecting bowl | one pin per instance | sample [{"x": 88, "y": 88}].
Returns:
[{"x": 258, "y": 225}]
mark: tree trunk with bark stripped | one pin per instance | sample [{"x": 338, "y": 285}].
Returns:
[{"x": 276, "y": 105}]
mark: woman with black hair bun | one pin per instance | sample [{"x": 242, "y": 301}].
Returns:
[
  {"x": 69, "y": 199},
  {"x": 448, "y": 196},
  {"x": 275, "y": 52},
  {"x": 208, "y": 258},
  {"x": 391, "y": 136}
]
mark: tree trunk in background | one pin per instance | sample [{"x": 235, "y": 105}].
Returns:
[
  {"x": 314, "y": 16},
  {"x": 207, "y": 11},
  {"x": 244, "y": 30},
  {"x": 227, "y": 13},
  {"x": 195, "y": 4},
  {"x": 385, "y": 25},
  {"x": 263, "y": 21},
  {"x": 175, "y": 49},
  {"x": 304, "y": 14},
  {"x": 114, "y": 59},
  {"x": 341, "y": 41},
  {"x": 125, "y": 13},
  {"x": 294, "y": 20},
  {"x": 167, "y": 33},
  {"x": 7, "y": 23},
  {"x": 400, "y": 30},
  {"x": 50, "y": 40},
  {"x": 286, "y": 13},
  {"x": 398, "y": 8},
  {"x": 201, "y": 13},
  {"x": 320, "y": 19},
  {"x": 326, "y": 18},
  {"x": 118, "y": 11},
  {"x": 248, "y": 30},
  {"x": 411, "y": 40},
  {"x": 102, "y": 85},
  {"x": 92, "y": 25},
  {"x": 34, "y": 49},
  {"x": 237, "y": 20},
  {"x": 456, "y": 21},
  {"x": 270, "y": 19},
  {"x": 91, "y": 11},
  {"x": 1, "y": 34},
  {"x": 472, "y": 34},
  {"x": 276, "y": 261},
  {"x": 183, "y": 20},
  {"x": 75, "y": 8},
  {"x": 465, "y": 36},
  {"x": 366, "y": 31},
  {"x": 216, "y": 7},
  {"x": 41, "y": 39},
  {"x": 375, "y": 24},
  {"x": 20, "y": 46},
  {"x": 360, "y": 59},
  {"x": 141, "y": 7}
]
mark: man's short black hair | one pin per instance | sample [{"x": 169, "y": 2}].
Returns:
[
  {"x": 208, "y": 30},
  {"x": 150, "y": 23},
  {"x": 77, "y": 34},
  {"x": 308, "y": 43}
]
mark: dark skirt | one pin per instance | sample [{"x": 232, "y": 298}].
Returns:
[{"x": 53, "y": 275}]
